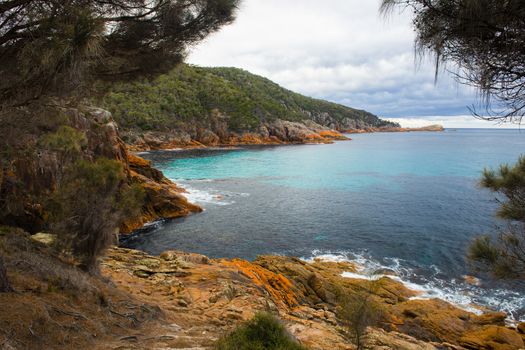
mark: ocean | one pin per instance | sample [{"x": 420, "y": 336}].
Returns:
[{"x": 406, "y": 202}]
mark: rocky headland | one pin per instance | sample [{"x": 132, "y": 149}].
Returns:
[
  {"x": 431, "y": 128},
  {"x": 278, "y": 132},
  {"x": 35, "y": 172},
  {"x": 183, "y": 300},
  {"x": 197, "y": 106}
]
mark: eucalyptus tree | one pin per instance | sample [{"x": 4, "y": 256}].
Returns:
[{"x": 483, "y": 42}]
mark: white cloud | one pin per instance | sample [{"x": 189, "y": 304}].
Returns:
[{"x": 340, "y": 50}]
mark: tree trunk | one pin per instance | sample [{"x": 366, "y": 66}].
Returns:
[{"x": 4, "y": 283}]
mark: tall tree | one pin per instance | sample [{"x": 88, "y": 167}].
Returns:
[
  {"x": 484, "y": 43},
  {"x": 56, "y": 45}
]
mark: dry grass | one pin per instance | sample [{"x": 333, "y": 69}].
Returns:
[{"x": 56, "y": 305}]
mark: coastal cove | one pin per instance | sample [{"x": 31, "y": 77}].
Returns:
[{"x": 406, "y": 202}]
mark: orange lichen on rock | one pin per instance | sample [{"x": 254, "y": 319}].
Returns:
[
  {"x": 332, "y": 134},
  {"x": 314, "y": 137},
  {"x": 278, "y": 286},
  {"x": 136, "y": 161},
  {"x": 492, "y": 337},
  {"x": 163, "y": 199}
]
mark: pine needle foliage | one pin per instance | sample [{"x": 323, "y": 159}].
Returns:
[
  {"x": 482, "y": 42},
  {"x": 59, "y": 46},
  {"x": 504, "y": 256}
]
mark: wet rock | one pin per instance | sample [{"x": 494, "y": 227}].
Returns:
[
  {"x": 472, "y": 280},
  {"x": 385, "y": 272},
  {"x": 521, "y": 328}
]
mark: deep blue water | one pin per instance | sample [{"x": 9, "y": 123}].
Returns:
[{"x": 408, "y": 201}]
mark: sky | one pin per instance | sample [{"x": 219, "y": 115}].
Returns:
[{"x": 342, "y": 51}]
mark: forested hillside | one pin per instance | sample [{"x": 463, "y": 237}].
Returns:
[{"x": 190, "y": 94}]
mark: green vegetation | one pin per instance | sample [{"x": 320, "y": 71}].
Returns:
[
  {"x": 57, "y": 48},
  {"x": 505, "y": 256},
  {"x": 66, "y": 139},
  {"x": 51, "y": 53},
  {"x": 263, "y": 332},
  {"x": 89, "y": 206},
  {"x": 189, "y": 95}
]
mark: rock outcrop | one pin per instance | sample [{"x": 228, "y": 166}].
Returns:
[
  {"x": 185, "y": 300},
  {"x": 217, "y": 134},
  {"x": 29, "y": 178},
  {"x": 221, "y": 293},
  {"x": 164, "y": 200}
]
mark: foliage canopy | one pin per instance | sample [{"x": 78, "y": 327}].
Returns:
[
  {"x": 505, "y": 256},
  {"x": 483, "y": 39},
  {"x": 190, "y": 94},
  {"x": 56, "y": 45}
]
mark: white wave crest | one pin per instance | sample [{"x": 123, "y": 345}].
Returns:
[{"x": 472, "y": 298}]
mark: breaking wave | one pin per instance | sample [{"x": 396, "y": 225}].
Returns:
[{"x": 465, "y": 292}]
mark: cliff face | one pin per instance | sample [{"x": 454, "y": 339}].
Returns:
[
  {"x": 218, "y": 134},
  {"x": 28, "y": 178}
]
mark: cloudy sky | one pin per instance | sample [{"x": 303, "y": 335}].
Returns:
[{"x": 342, "y": 51}]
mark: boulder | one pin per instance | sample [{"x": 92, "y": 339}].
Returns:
[{"x": 44, "y": 238}]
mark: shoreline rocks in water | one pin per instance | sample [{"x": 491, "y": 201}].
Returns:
[
  {"x": 278, "y": 132},
  {"x": 164, "y": 199},
  {"x": 186, "y": 300}
]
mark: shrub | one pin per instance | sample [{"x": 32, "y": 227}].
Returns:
[
  {"x": 89, "y": 206},
  {"x": 66, "y": 139},
  {"x": 359, "y": 310},
  {"x": 263, "y": 332},
  {"x": 504, "y": 257}
]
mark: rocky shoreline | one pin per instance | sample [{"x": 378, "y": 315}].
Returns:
[
  {"x": 186, "y": 301},
  {"x": 214, "y": 295},
  {"x": 279, "y": 132},
  {"x": 182, "y": 300}
]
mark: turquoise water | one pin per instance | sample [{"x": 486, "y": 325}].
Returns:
[{"x": 405, "y": 201}]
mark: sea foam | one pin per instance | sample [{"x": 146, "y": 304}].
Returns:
[{"x": 472, "y": 298}]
